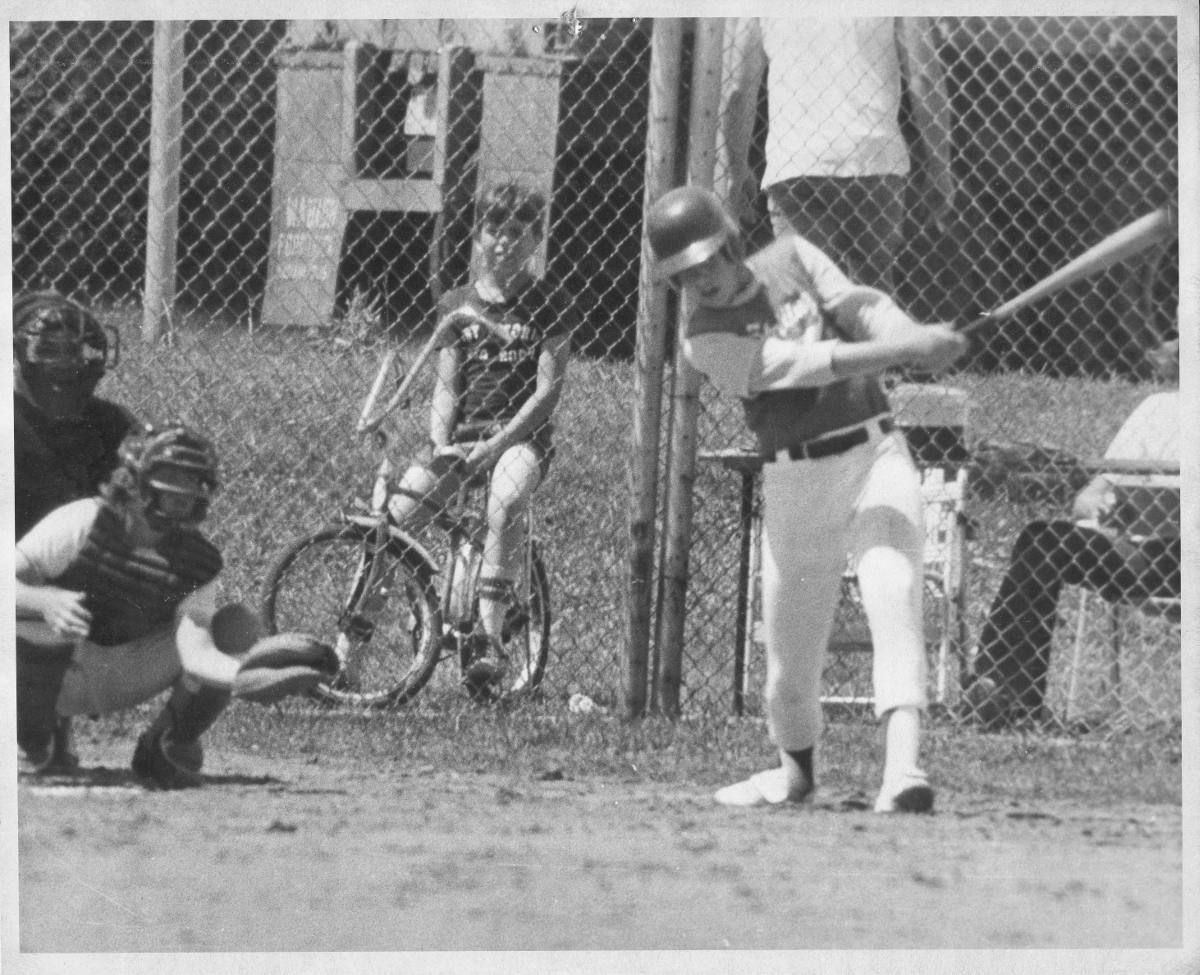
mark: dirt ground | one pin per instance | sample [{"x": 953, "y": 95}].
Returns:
[{"x": 317, "y": 858}]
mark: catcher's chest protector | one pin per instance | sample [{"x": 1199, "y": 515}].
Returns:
[{"x": 132, "y": 591}]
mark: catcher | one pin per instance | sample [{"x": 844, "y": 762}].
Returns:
[{"x": 116, "y": 602}]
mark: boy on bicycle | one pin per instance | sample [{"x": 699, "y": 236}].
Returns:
[{"x": 500, "y": 371}]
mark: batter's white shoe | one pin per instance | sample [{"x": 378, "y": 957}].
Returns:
[
  {"x": 769, "y": 788},
  {"x": 910, "y": 793}
]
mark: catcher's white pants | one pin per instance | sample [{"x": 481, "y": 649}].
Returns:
[
  {"x": 105, "y": 679},
  {"x": 865, "y": 502}
]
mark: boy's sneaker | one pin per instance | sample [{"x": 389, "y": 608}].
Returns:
[{"x": 486, "y": 673}]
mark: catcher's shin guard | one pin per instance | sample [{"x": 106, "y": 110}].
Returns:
[
  {"x": 40, "y": 673},
  {"x": 168, "y": 754}
]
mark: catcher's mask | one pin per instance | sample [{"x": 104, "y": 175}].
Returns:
[
  {"x": 60, "y": 352},
  {"x": 174, "y": 471},
  {"x": 685, "y": 227}
]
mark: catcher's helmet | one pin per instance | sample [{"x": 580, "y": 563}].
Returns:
[
  {"x": 155, "y": 451},
  {"x": 685, "y": 227},
  {"x": 60, "y": 339}
]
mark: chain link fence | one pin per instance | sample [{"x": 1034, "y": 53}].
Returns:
[
  {"x": 325, "y": 200},
  {"x": 325, "y": 203}
]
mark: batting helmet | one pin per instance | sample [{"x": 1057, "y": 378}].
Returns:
[
  {"x": 685, "y": 227},
  {"x": 58, "y": 337},
  {"x": 154, "y": 452}
]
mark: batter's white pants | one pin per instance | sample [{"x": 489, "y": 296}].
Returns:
[{"x": 865, "y": 503}]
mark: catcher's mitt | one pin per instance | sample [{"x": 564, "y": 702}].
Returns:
[{"x": 278, "y": 666}]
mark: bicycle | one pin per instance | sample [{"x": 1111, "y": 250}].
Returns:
[{"x": 393, "y": 610}]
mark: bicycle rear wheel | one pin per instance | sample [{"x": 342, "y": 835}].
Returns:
[
  {"x": 379, "y": 610},
  {"x": 527, "y": 621}
]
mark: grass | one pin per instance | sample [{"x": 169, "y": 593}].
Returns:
[
  {"x": 281, "y": 406},
  {"x": 703, "y": 750}
]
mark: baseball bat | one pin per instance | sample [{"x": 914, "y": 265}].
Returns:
[{"x": 1143, "y": 233}]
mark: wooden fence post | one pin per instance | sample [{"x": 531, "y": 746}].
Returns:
[
  {"x": 162, "y": 197},
  {"x": 703, "y": 122},
  {"x": 666, "y": 46}
]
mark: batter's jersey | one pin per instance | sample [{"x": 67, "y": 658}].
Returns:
[
  {"x": 500, "y": 344},
  {"x": 775, "y": 349}
]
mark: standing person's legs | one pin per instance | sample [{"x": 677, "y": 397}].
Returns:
[
  {"x": 857, "y": 221},
  {"x": 806, "y": 206},
  {"x": 887, "y": 549}
]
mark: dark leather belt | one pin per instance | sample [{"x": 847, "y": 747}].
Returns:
[{"x": 837, "y": 444}]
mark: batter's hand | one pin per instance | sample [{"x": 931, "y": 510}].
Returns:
[
  {"x": 66, "y": 613},
  {"x": 938, "y": 347}
]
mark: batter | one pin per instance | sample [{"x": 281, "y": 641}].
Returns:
[{"x": 802, "y": 346}]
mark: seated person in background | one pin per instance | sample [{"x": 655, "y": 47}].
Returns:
[
  {"x": 1109, "y": 549},
  {"x": 116, "y": 601},
  {"x": 500, "y": 373}
]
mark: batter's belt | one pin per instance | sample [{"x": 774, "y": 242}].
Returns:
[{"x": 837, "y": 443}]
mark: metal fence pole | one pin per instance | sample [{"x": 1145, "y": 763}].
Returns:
[
  {"x": 702, "y": 148},
  {"x": 666, "y": 45},
  {"x": 162, "y": 197}
]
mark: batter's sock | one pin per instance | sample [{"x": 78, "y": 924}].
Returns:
[
  {"x": 902, "y": 738},
  {"x": 804, "y": 761}
]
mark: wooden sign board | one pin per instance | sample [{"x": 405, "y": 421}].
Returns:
[{"x": 308, "y": 222}]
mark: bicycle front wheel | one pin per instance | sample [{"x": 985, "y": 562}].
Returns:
[{"x": 379, "y": 609}]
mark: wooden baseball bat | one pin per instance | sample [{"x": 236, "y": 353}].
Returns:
[{"x": 1143, "y": 233}]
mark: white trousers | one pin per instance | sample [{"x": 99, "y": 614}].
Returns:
[
  {"x": 105, "y": 679},
  {"x": 865, "y": 504}
]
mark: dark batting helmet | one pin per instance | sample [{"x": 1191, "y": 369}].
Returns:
[
  {"x": 685, "y": 227},
  {"x": 156, "y": 451}
]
